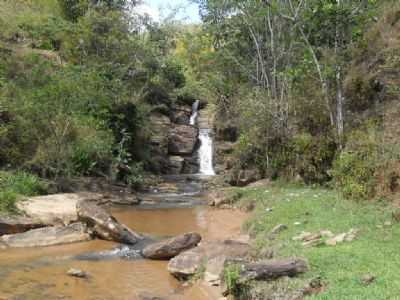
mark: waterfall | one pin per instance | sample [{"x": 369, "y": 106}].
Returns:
[
  {"x": 206, "y": 152},
  {"x": 195, "y": 109}
]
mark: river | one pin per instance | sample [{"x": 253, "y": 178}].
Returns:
[{"x": 40, "y": 273}]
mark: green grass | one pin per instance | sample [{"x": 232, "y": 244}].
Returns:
[
  {"x": 375, "y": 251},
  {"x": 17, "y": 184}
]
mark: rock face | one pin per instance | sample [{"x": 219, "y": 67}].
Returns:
[
  {"x": 160, "y": 126},
  {"x": 18, "y": 224},
  {"x": 176, "y": 164},
  {"x": 48, "y": 236},
  {"x": 180, "y": 114},
  {"x": 182, "y": 139},
  {"x": 189, "y": 262},
  {"x": 104, "y": 225},
  {"x": 172, "y": 247}
]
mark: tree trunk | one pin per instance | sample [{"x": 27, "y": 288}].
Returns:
[{"x": 273, "y": 269}]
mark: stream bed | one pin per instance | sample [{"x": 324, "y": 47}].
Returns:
[{"x": 40, "y": 273}]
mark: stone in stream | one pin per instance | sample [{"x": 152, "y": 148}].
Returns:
[
  {"x": 77, "y": 273},
  {"x": 18, "y": 224},
  {"x": 172, "y": 247},
  {"x": 104, "y": 225},
  {"x": 189, "y": 262},
  {"x": 47, "y": 236}
]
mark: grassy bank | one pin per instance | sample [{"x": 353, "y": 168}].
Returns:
[
  {"x": 341, "y": 267},
  {"x": 15, "y": 185}
]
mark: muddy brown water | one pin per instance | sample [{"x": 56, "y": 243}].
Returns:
[{"x": 40, "y": 273}]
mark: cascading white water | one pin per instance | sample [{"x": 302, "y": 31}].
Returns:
[
  {"x": 195, "y": 109},
  {"x": 206, "y": 152}
]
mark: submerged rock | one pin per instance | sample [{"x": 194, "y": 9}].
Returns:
[
  {"x": 121, "y": 252},
  {"x": 18, "y": 224},
  {"x": 47, "y": 236},
  {"x": 172, "y": 247},
  {"x": 104, "y": 225}
]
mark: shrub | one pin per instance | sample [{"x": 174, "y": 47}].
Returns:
[
  {"x": 22, "y": 183},
  {"x": 14, "y": 185},
  {"x": 354, "y": 170}
]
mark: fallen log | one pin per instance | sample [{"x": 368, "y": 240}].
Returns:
[{"x": 272, "y": 269}]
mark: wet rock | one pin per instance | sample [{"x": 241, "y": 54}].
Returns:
[
  {"x": 18, "y": 224},
  {"x": 182, "y": 139},
  {"x": 48, "y": 236},
  {"x": 121, "y": 252},
  {"x": 77, "y": 273},
  {"x": 189, "y": 262},
  {"x": 104, "y": 225},
  {"x": 172, "y": 247}
]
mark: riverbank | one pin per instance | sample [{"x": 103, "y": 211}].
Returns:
[{"x": 351, "y": 247}]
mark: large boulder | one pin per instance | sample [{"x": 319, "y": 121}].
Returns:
[
  {"x": 172, "y": 247},
  {"x": 182, "y": 139},
  {"x": 48, "y": 236},
  {"x": 189, "y": 262},
  {"x": 103, "y": 224},
  {"x": 53, "y": 209},
  {"x": 18, "y": 224}
]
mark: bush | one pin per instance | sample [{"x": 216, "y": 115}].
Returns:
[
  {"x": 354, "y": 170},
  {"x": 14, "y": 185}
]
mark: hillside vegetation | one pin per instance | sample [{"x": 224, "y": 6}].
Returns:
[{"x": 77, "y": 82}]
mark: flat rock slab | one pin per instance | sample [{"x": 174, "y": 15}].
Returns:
[
  {"x": 189, "y": 262},
  {"x": 54, "y": 209},
  {"x": 172, "y": 247},
  {"x": 18, "y": 224},
  {"x": 48, "y": 236}
]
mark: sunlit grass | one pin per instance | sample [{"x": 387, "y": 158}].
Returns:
[{"x": 341, "y": 267}]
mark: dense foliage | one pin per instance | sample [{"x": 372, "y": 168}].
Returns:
[{"x": 77, "y": 79}]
